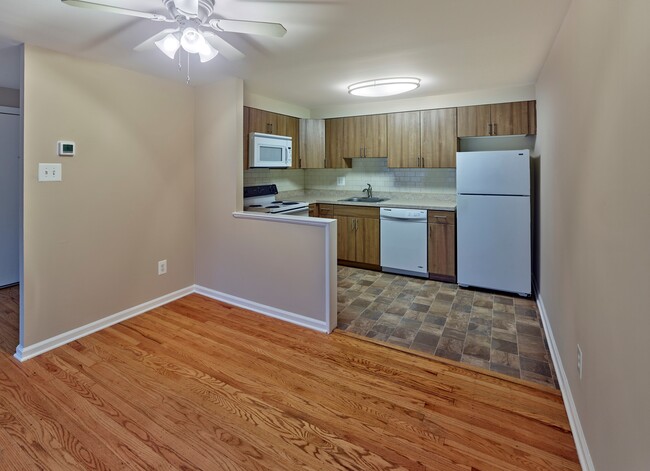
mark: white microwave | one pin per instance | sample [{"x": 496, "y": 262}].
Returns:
[{"x": 269, "y": 150}]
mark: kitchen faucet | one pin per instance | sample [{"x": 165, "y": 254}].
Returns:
[{"x": 368, "y": 190}]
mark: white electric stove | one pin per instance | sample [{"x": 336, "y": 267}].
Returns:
[{"x": 261, "y": 198}]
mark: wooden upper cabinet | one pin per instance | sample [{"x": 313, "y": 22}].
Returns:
[
  {"x": 474, "y": 121},
  {"x": 509, "y": 118},
  {"x": 247, "y": 116},
  {"x": 404, "y": 139},
  {"x": 438, "y": 138},
  {"x": 312, "y": 143},
  {"x": 353, "y": 136},
  {"x": 262, "y": 121},
  {"x": 290, "y": 126},
  {"x": 375, "y": 135},
  {"x": 532, "y": 117},
  {"x": 500, "y": 119},
  {"x": 334, "y": 142},
  {"x": 365, "y": 136}
]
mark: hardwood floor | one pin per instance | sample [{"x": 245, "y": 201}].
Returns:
[{"x": 198, "y": 384}]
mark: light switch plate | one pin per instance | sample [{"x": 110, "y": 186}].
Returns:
[{"x": 49, "y": 172}]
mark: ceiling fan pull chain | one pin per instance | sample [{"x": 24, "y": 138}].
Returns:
[
  {"x": 180, "y": 54},
  {"x": 188, "y": 68}
]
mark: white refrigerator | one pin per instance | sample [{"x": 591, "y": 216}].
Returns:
[{"x": 493, "y": 220}]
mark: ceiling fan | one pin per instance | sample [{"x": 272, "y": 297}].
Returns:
[{"x": 195, "y": 29}]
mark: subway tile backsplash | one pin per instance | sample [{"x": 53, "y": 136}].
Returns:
[
  {"x": 286, "y": 180},
  {"x": 374, "y": 171}
]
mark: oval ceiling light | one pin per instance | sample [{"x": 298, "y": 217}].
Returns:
[{"x": 384, "y": 87}]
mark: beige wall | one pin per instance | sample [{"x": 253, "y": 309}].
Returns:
[
  {"x": 593, "y": 101},
  {"x": 271, "y": 263},
  {"x": 92, "y": 241}
]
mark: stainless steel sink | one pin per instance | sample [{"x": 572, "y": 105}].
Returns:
[{"x": 361, "y": 199}]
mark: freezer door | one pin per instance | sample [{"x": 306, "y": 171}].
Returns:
[
  {"x": 493, "y": 173},
  {"x": 494, "y": 246}
]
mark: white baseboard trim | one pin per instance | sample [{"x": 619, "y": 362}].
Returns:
[
  {"x": 578, "y": 435},
  {"x": 23, "y": 354},
  {"x": 293, "y": 318}
]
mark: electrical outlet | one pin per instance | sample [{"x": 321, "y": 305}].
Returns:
[
  {"x": 162, "y": 267},
  {"x": 340, "y": 181},
  {"x": 579, "y": 361}
]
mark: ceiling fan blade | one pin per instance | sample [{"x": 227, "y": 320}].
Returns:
[
  {"x": 150, "y": 43},
  {"x": 226, "y": 49},
  {"x": 112, "y": 9},
  {"x": 187, "y": 7},
  {"x": 249, "y": 27}
]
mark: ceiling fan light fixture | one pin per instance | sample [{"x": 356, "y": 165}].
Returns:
[
  {"x": 192, "y": 40},
  {"x": 169, "y": 45},
  {"x": 384, "y": 87},
  {"x": 207, "y": 52}
]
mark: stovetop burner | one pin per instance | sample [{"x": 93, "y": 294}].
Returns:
[{"x": 261, "y": 198}]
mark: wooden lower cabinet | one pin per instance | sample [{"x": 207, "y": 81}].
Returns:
[
  {"x": 442, "y": 245},
  {"x": 357, "y": 234}
]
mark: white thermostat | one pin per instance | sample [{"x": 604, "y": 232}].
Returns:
[{"x": 66, "y": 148}]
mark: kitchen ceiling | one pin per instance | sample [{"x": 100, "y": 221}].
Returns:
[{"x": 452, "y": 45}]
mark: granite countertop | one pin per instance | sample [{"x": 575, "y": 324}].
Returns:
[{"x": 436, "y": 201}]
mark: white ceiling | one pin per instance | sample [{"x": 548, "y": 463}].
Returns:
[{"x": 453, "y": 45}]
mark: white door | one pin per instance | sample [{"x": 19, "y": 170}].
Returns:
[
  {"x": 494, "y": 246},
  {"x": 9, "y": 198}
]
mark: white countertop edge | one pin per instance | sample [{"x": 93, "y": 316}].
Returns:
[
  {"x": 299, "y": 220},
  {"x": 395, "y": 204}
]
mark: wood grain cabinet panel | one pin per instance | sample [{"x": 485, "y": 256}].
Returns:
[
  {"x": 325, "y": 210},
  {"x": 442, "y": 245},
  {"x": 499, "y": 119},
  {"x": 290, "y": 126},
  {"x": 375, "y": 136},
  {"x": 364, "y": 136},
  {"x": 312, "y": 143},
  {"x": 346, "y": 238},
  {"x": 404, "y": 139},
  {"x": 474, "y": 121},
  {"x": 509, "y": 118},
  {"x": 367, "y": 241},
  {"x": 357, "y": 234},
  {"x": 422, "y": 139},
  {"x": 438, "y": 138},
  {"x": 334, "y": 143},
  {"x": 353, "y": 136}
]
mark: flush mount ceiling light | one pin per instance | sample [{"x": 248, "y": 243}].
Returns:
[{"x": 384, "y": 87}]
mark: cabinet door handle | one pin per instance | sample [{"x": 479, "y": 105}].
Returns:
[
  {"x": 365, "y": 152},
  {"x": 440, "y": 217},
  {"x": 494, "y": 129}
]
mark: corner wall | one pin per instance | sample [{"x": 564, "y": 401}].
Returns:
[
  {"x": 274, "y": 265},
  {"x": 592, "y": 103},
  {"x": 92, "y": 241}
]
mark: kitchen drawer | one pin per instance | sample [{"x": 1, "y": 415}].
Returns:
[
  {"x": 356, "y": 211},
  {"x": 325, "y": 210},
  {"x": 442, "y": 217}
]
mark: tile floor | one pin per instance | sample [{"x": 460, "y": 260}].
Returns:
[{"x": 493, "y": 331}]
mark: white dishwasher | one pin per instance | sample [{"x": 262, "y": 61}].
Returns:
[{"x": 403, "y": 247}]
